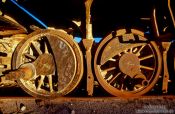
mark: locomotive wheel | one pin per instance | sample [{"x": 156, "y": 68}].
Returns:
[
  {"x": 127, "y": 64},
  {"x": 58, "y": 63}
]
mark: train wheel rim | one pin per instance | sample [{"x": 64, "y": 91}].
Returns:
[
  {"x": 115, "y": 68},
  {"x": 50, "y": 47}
]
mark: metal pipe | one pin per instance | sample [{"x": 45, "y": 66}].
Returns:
[{"x": 171, "y": 13}]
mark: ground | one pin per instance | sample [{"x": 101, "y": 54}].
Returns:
[{"x": 90, "y": 105}]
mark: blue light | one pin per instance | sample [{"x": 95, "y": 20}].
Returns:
[
  {"x": 96, "y": 39},
  {"x": 77, "y": 39},
  {"x": 147, "y": 32},
  {"x": 31, "y": 15},
  {"x": 172, "y": 41}
]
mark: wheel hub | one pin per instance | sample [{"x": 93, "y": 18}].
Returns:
[{"x": 129, "y": 64}]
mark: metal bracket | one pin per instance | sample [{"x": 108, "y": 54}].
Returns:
[
  {"x": 90, "y": 78},
  {"x": 166, "y": 46},
  {"x": 88, "y": 42}
]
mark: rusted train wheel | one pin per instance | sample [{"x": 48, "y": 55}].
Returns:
[
  {"x": 126, "y": 63},
  {"x": 57, "y": 60}
]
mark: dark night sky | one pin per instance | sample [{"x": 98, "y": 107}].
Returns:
[{"x": 104, "y": 12}]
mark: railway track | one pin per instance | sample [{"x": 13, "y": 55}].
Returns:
[{"x": 88, "y": 105}]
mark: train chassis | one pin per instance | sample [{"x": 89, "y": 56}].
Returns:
[{"x": 49, "y": 63}]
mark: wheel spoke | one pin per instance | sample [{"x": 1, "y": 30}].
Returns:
[
  {"x": 114, "y": 77},
  {"x": 29, "y": 56},
  {"x": 109, "y": 78},
  {"x": 146, "y": 67},
  {"x": 134, "y": 50},
  {"x": 50, "y": 83},
  {"x": 109, "y": 69},
  {"x": 122, "y": 85},
  {"x": 30, "y": 51},
  {"x": 146, "y": 57},
  {"x": 130, "y": 50},
  {"x": 111, "y": 59},
  {"x": 103, "y": 73},
  {"x": 138, "y": 53},
  {"x": 41, "y": 81},
  {"x": 46, "y": 48},
  {"x": 36, "y": 48}
]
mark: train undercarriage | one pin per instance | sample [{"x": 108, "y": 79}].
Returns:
[{"x": 49, "y": 63}]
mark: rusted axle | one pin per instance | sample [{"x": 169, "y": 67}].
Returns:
[{"x": 26, "y": 71}]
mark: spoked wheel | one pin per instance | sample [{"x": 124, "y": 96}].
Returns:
[
  {"x": 58, "y": 63},
  {"x": 126, "y": 64}
]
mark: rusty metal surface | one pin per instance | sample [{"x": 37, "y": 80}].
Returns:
[
  {"x": 26, "y": 71},
  {"x": 88, "y": 42},
  {"x": 166, "y": 46},
  {"x": 90, "y": 78},
  {"x": 10, "y": 27}
]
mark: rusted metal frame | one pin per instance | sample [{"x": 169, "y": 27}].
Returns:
[
  {"x": 155, "y": 25},
  {"x": 19, "y": 28},
  {"x": 171, "y": 13},
  {"x": 7, "y": 47},
  {"x": 88, "y": 42},
  {"x": 154, "y": 18},
  {"x": 166, "y": 46}
]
